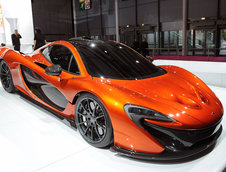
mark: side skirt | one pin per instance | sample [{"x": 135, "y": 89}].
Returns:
[{"x": 61, "y": 117}]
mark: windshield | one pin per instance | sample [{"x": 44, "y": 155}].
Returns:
[{"x": 115, "y": 61}]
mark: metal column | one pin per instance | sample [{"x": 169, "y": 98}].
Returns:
[
  {"x": 193, "y": 43},
  {"x": 217, "y": 32},
  {"x": 101, "y": 21},
  {"x": 158, "y": 27},
  {"x": 136, "y": 17},
  {"x": 87, "y": 24},
  {"x": 74, "y": 18},
  {"x": 185, "y": 12},
  {"x": 117, "y": 21},
  {"x": 136, "y": 31}
]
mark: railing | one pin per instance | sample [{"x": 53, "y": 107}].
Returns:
[{"x": 209, "y": 52}]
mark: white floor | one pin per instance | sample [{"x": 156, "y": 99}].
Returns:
[{"x": 32, "y": 139}]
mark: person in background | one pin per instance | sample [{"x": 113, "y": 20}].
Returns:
[
  {"x": 143, "y": 47},
  {"x": 16, "y": 40},
  {"x": 136, "y": 45},
  {"x": 39, "y": 39}
]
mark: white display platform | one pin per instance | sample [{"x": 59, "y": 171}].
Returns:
[
  {"x": 34, "y": 140},
  {"x": 212, "y": 73}
]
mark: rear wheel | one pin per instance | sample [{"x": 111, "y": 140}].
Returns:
[
  {"x": 6, "y": 77},
  {"x": 93, "y": 122}
]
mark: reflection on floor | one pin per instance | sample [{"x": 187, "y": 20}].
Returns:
[{"x": 32, "y": 139}]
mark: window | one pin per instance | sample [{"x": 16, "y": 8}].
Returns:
[
  {"x": 199, "y": 39},
  {"x": 223, "y": 42},
  {"x": 61, "y": 55},
  {"x": 173, "y": 39},
  {"x": 210, "y": 39},
  {"x": 151, "y": 40},
  {"x": 166, "y": 39},
  {"x": 115, "y": 61},
  {"x": 45, "y": 53}
]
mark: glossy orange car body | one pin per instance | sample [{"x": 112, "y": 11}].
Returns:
[{"x": 177, "y": 94}]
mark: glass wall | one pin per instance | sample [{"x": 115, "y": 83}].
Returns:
[
  {"x": 210, "y": 42},
  {"x": 109, "y": 37},
  {"x": 156, "y": 39},
  {"x": 171, "y": 42},
  {"x": 127, "y": 38},
  {"x": 95, "y": 37},
  {"x": 174, "y": 39},
  {"x": 166, "y": 39},
  {"x": 199, "y": 42},
  {"x": 151, "y": 40},
  {"x": 223, "y": 42},
  {"x": 190, "y": 42}
]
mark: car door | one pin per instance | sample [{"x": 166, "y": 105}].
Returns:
[{"x": 53, "y": 89}]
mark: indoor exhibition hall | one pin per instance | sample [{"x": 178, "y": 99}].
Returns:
[{"x": 112, "y": 85}]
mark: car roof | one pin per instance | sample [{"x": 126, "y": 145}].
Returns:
[{"x": 84, "y": 41}]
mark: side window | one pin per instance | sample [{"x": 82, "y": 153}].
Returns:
[
  {"x": 61, "y": 55},
  {"x": 73, "y": 66},
  {"x": 45, "y": 53}
]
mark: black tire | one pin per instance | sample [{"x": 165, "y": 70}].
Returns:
[
  {"x": 6, "y": 77},
  {"x": 93, "y": 122}
]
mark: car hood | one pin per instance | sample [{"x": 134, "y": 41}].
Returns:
[{"x": 174, "y": 96}]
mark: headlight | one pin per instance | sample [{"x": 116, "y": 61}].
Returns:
[{"x": 137, "y": 112}]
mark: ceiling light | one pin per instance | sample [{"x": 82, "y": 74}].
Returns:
[
  {"x": 92, "y": 45},
  {"x": 203, "y": 18}
]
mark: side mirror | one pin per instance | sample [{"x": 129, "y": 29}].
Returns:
[
  {"x": 150, "y": 58},
  {"x": 54, "y": 70}
]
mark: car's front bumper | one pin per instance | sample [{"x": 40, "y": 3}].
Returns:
[{"x": 176, "y": 146}]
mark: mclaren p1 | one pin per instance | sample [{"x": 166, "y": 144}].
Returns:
[{"x": 117, "y": 98}]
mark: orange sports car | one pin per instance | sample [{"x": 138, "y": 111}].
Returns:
[{"x": 117, "y": 98}]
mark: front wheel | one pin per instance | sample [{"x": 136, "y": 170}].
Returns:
[
  {"x": 93, "y": 121},
  {"x": 6, "y": 77}
]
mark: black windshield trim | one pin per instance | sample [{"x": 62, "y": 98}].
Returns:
[{"x": 159, "y": 73}]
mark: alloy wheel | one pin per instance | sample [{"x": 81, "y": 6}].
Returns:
[
  {"x": 6, "y": 77},
  {"x": 91, "y": 120}
]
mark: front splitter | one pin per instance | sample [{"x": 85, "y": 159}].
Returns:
[{"x": 170, "y": 155}]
